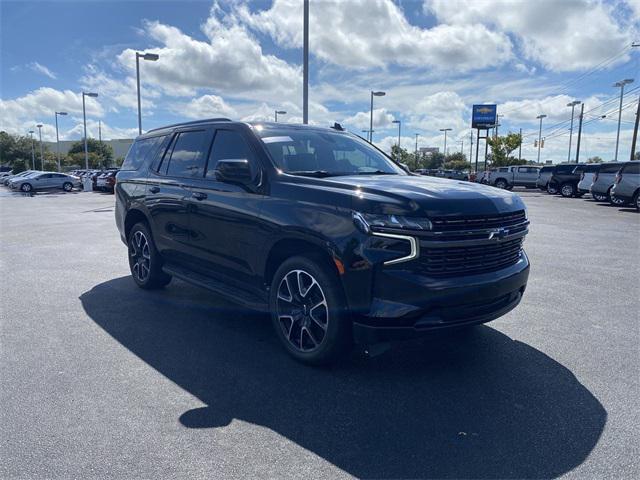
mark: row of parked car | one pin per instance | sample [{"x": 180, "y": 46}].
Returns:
[
  {"x": 614, "y": 182},
  {"x": 31, "y": 180}
]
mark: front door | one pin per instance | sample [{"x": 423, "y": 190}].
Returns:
[{"x": 224, "y": 217}]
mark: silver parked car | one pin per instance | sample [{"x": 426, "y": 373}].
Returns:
[
  {"x": 626, "y": 188},
  {"x": 544, "y": 175},
  {"x": 45, "y": 180},
  {"x": 604, "y": 179},
  {"x": 7, "y": 180}
]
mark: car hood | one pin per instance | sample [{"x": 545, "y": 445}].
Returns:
[{"x": 420, "y": 195}]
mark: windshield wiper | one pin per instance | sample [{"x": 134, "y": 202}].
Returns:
[
  {"x": 311, "y": 173},
  {"x": 377, "y": 172}
]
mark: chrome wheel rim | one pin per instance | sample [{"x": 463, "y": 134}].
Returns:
[
  {"x": 67, "y": 187},
  {"x": 616, "y": 201},
  {"x": 26, "y": 187},
  {"x": 567, "y": 190},
  {"x": 302, "y": 310},
  {"x": 139, "y": 256}
]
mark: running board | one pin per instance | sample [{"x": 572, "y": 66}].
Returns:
[{"x": 236, "y": 295}]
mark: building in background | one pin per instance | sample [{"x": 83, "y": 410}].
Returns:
[{"x": 429, "y": 150}]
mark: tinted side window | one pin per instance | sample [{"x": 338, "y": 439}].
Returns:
[
  {"x": 141, "y": 151},
  {"x": 632, "y": 169},
  {"x": 227, "y": 145},
  {"x": 611, "y": 168},
  {"x": 189, "y": 154}
]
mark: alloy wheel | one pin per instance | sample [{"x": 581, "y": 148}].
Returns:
[
  {"x": 302, "y": 310},
  {"x": 567, "y": 190},
  {"x": 140, "y": 256}
]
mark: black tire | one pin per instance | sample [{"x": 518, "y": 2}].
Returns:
[
  {"x": 26, "y": 187},
  {"x": 67, "y": 186},
  {"x": 500, "y": 183},
  {"x": 299, "y": 287},
  {"x": 145, "y": 261},
  {"x": 636, "y": 200},
  {"x": 615, "y": 201},
  {"x": 599, "y": 197},
  {"x": 567, "y": 190},
  {"x": 552, "y": 188}
]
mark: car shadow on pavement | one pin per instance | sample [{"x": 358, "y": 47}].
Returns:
[{"x": 478, "y": 405}]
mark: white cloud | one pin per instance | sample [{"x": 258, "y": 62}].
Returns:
[
  {"x": 376, "y": 33},
  {"x": 206, "y": 106},
  {"x": 23, "y": 113},
  {"x": 560, "y": 35},
  {"x": 39, "y": 68},
  {"x": 361, "y": 120},
  {"x": 122, "y": 90}
]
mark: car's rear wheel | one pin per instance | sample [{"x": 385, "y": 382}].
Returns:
[
  {"x": 501, "y": 184},
  {"x": 67, "y": 186},
  {"x": 552, "y": 188},
  {"x": 567, "y": 190},
  {"x": 26, "y": 187},
  {"x": 600, "y": 197},
  {"x": 145, "y": 261},
  {"x": 618, "y": 202},
  {"x": 308, "y": 310}
]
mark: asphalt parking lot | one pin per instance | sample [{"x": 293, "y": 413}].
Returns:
[{"x": 100, "y": 378}]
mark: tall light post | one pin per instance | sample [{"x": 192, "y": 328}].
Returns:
[
  {"x": 84, "y": 120},
  {"x": 33, "y": 151},
  {"x": 41, "y": 150},
  {"x": 417, "y": 146},
  {"x": 373, "y": 94},
  {"x": 445, "y": 130},
  {"x": 540, "y": 117},
  {"x": 145, "y": 56},
  {"x": 573, "y": 107},
  {"x": 305, "y": 62},
  {"x": 620, "y": 84},
  {"x": 399, "y": 131},
  {"x": 279, "y": 112},
  {"x": 58, "y": 139}
]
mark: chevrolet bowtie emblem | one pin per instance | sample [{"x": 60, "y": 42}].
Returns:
[
  {"x": 498, "y": 233},
  {"x": 484, "y": 110}
]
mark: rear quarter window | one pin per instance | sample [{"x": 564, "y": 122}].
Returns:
[
  {"x": 612, "y": 168},
  {"x": 141, "y": 152},
  {"x": 632, "y": 169}
]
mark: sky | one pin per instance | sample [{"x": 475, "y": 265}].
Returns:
[{"x": 243, "y": 60}]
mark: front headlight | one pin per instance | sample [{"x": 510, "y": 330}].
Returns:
[{"x": 367, "y": 221}]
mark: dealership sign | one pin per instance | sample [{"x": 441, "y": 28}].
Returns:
[{"x": 483, "y": 116}]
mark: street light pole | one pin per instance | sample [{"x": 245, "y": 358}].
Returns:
[
  {"x": 620, "y": 84},
  {"x": 540, "y": 117},
  {"x": 145, "y": 56},
  {"x": 417, "y": 147},
  {"x": 84, "y": 120},
  {"x": 399, "y": 129},
  {"x": 41, "y": 151},
  {"x": 281, "y": 112},
  {"x": 573, "y": 106},
  {"x": 33, "y": 151},
  {"x": 445, "y": 130},
  {"x": 57, "y": 138},
  {"x": 373, "y": 94},
  {"x": 305, "y": 63}
]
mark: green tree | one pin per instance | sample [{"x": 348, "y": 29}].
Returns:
[
  {"x": 501, "y": 148},
  {"x": 17, "y": 148},
  {"x": 100, "y": 154},
  {"x": 18, "y": 166},
  {"x": 457, "y": 161},
  {"x": 594, "y": 159}
]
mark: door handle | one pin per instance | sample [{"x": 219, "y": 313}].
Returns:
[
  {"x": 154, "y": 189},
  {"x": 199, "y": 195}
]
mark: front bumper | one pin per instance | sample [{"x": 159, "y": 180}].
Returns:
[{"x": 408, "y": 305}]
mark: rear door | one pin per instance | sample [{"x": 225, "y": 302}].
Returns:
[
  {"x": 526, "y": 176},
  {"x": 168, "y": 191},
  {"x": 224, "y": 217}
]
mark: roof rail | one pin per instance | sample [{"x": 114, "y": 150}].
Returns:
[{"x": 193, "y": 122}]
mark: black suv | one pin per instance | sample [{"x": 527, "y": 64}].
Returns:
[
  {"x": 565, "y": 178},
  {"x": 319, "y": 228}
]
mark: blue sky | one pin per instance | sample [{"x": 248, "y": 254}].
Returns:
[{"x": 434, "y": 58}]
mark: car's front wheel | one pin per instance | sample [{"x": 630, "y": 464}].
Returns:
[
  {"x": 145, "y": 261},
  {"x": 308, "y": 310},
  {"x": 501, "y": 184},
  {"x": 552, "y": 188},
  {"x": 599, "y": 197},
  {"x": 67, "y": 186}
]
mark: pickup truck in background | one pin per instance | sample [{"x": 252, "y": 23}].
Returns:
[{"x": 515, "y": 176}]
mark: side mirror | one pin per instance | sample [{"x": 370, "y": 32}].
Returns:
[{"x": 234, "y": 170}]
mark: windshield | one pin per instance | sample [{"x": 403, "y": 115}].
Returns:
[{"x": 323, "y": 153}]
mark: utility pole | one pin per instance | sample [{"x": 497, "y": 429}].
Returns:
[
  {"x": 540, "y": 117},
  {"x": 520, "y": 147},
  {"x": 635, "y": 132},
  {"x": 471, "y": 147},
  {"x": 416, "y": 147},
  {"x": 33, "y": 151},
  {"x": 573, "y": 106},
  {"x": 305, "y": 64},
  {"x": 497, "y": 124},
  {"x": 620, "y": 84},
  {"x": 579, "y": 133},
  {"x": 462, "y": 146}
]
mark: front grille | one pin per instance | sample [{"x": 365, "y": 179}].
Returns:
[
  {"x": 469, "y": 260},
  {"x": 452, "y": 224}
]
